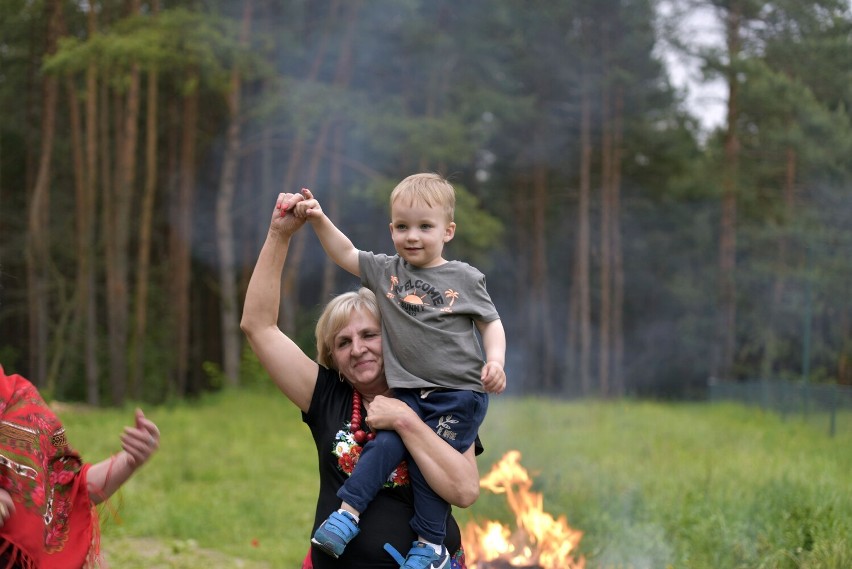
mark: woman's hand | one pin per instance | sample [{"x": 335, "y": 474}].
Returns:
[
  {"x": 283, "y": 218},
  {"x": 138, "y": 444},
  {"x": 7, "y": 506},
  {"x": 141, "y": 441},
  {"x": 384, "y": 413}
]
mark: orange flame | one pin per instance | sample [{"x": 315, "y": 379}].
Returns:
[{"x": 539, "y": 540}]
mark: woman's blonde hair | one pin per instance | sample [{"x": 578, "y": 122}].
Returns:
[{"x": 336, "y": 315}]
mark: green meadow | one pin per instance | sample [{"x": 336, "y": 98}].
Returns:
[{"x": 650, "y": 485}]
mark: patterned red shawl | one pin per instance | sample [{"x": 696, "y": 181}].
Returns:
[{"x": 54, "y": 525}]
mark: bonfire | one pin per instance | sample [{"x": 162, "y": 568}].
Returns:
[{"x": 538, "y": 541}]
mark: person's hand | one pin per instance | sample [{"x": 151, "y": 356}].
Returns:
[
  {"x": 140, "y": 441},
  {"x": 493, "y": 378},
  {"x": 283, "y": 219},
  {"x": 384, "y": 412},
  {"x": 309, "y": 207},
  {"x": 7, "y": 506}
]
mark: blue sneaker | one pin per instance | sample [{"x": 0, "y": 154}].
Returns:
[
  {"x": 335, "y": 532},
  {"x": 422, "y": 556}
]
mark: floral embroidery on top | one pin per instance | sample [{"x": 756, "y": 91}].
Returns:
[
  {"x": 458, "y": 561},
  {"x": 347, "y": 451},
  {"x": 32, "y": 454}
]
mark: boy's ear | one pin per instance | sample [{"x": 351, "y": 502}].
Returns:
[{"x": 450, "y": 232}]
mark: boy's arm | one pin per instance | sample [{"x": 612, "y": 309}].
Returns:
[
  {"x": 494, "y": 343},
  {"x": 336, "y": 244}
]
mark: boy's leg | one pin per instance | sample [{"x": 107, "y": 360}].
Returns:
[
  {"x": 429, "y": 523},
  {"x": 378, "y": 459},
  {"x": 430, "y": 510},
  {"x": 456, "y": 416},
  {"x": 335, "y": 533}
]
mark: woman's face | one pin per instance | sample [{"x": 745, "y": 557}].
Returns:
[{"x": 357, "y": 351}]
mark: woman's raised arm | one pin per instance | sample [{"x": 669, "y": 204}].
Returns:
[{"x": 290, "y": 368}]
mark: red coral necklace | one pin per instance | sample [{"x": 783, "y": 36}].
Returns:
[{"x": 355, "y": 426}]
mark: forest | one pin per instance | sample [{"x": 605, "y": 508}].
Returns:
[{"x": 632, "y": 250}]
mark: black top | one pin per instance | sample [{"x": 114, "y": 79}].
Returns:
[{"x": 387, "y": 518}]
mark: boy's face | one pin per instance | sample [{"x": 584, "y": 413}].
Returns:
[{"x": 419, "y": 233}]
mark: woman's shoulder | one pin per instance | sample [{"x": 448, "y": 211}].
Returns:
[
  {"x": 328, "y": 392},
  {"x": 329, "y": 381}
]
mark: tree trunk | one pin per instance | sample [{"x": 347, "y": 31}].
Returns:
[
  {"x": 581, "y": 272},
  {"x": 88, "y": 209},
  {"x": 767, "y": 366},
  {"x": 38, "y": 220},
  {"x": 342, "y": 77},
  {"x": 117, "y": 265},
  {"x": 522, "y": 268},
  {"x": 727, "y": 235},
  {"x": 605, "y": 316},
  {"x": 83, "y": 212},
  {"x": 146, "y": 217},
  {"x": 617, "y": 252},
  {"x": 181, "y": 235},
  {"x": 289, "y": 282},
  {"x": 229, "y": 311},
  {"x": 330, "y": 269},
  {"x": 539, "y": 273}
]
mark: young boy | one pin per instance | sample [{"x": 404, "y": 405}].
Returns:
[{"x": 430, "y": 309}]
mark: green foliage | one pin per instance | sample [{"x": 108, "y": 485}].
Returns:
[
  {"x": 171, "y": 42},
  {"x": 488, "y": 93},
  {"x": 233, "y": 468},
  {"x": 648, "y": 484},
  {"x": 698, "y": 486},
  {"x": 478, "y": 231}
]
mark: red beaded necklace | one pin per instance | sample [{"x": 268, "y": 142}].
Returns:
[{"x": 359, "y": 434}]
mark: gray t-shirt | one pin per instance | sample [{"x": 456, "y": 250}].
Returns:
[{"x": 428, "y": 332}]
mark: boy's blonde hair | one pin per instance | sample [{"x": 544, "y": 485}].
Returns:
[
  {"x": 428, "y": 188},
  {"x": 336, "y": 315}
]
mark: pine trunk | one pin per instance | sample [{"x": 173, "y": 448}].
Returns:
[
  {"x": 87, "y": 267},
  {"x": 728, "y": 225},
  {"x": 38, "y": 220},
  {"x": 146, "y": 218},
  {"x": 330, "y": 269},
  {"x": 605, "y": 307},
  {"x": 581, "y": 280},
  {"x": 539, "y": 294},
  {"x": 229, "y": 310},
  {"x": 181, "y": 236},
  {"x": 617, "y": 252},
  {"x": 289, "y": 280}
]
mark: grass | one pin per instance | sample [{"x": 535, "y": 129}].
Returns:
[{"x": 651, "y": 485}]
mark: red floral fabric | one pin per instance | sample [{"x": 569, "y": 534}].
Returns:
[{"x": 54, "y": 525}]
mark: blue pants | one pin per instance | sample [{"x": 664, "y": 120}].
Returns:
[{"x": 456, "y": 416}]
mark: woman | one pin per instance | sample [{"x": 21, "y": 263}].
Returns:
[
  {"x": 343, "y": 396},
  {"x": 47, "y": 493}
]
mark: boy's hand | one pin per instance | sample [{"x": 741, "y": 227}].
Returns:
[
  {"x": 493, "y": 378},
  {"x": 309, "y": 207}
]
